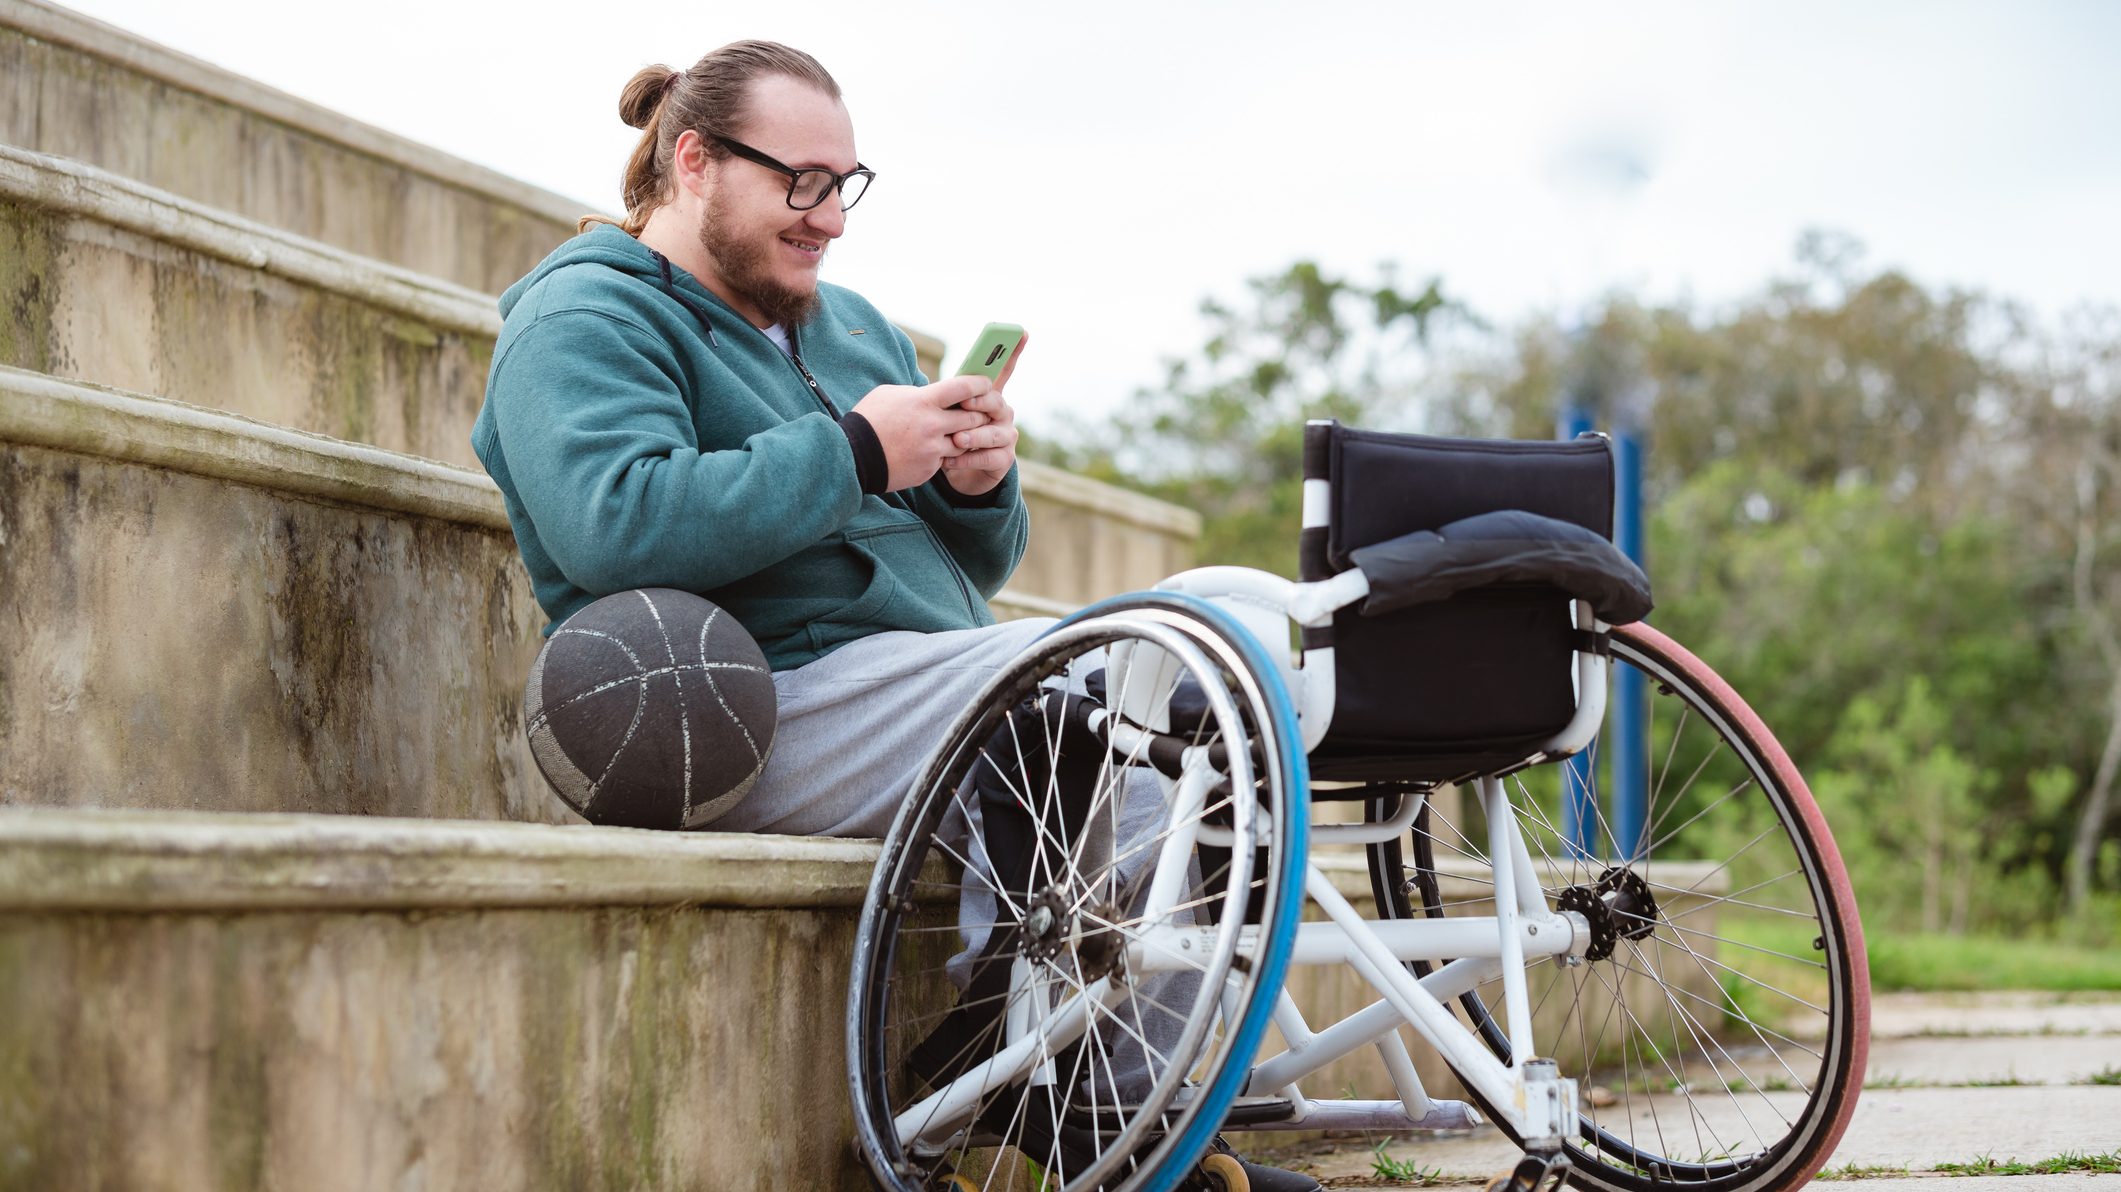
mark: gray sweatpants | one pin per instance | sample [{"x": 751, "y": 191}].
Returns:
[
  {"x": 856, "y": 725},
  {"x": 853, "y": 731}
]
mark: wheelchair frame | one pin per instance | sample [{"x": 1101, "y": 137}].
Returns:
[
  {"x": 1539, "y": 1102},
  {"x": 1525, "y": 1093},
  {"x": 1536, "y": 1102}
]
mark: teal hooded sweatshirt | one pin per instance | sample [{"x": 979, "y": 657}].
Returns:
[{"x": 644, "y": 435}]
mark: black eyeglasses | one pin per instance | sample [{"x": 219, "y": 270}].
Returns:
[{"x": 808, "y": 187}]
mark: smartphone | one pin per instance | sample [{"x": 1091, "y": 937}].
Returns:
[{"x": 991, "y": 351}]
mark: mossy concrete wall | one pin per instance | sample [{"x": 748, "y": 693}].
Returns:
[
  {"x": 83, "y": 299},
  {"x": 79, "y": 88},
  {"x": 182, "y": 637},
  {"x": 600, "y": 1036}
]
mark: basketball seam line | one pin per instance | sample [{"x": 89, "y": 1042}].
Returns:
[
  {"x": 640, "y": 705},
  {"x": 684, "y": 721},
  {"x": 545, "y": 714},
  {"x": 715, "y": 689}
]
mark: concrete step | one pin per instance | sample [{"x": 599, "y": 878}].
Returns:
[
  {"x": 250, "y": 1002},
  {"x": 214, "y": 613},
  {"x": 111, "y": 281},
  {"x": 258, "y": 1001},
  {"x": 82, "y": 89},
  {"x": 221, "y": 614}
]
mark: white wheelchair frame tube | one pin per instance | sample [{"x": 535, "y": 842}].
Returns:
[
  {"x": 1265, "y": 604},
  {"x": 1479, "y": 949}
]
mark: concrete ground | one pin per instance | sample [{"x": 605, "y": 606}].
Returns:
[{"x": 1953, "y": 1078}]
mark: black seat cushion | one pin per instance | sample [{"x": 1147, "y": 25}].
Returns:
[{"x": 1444, "y": 690}]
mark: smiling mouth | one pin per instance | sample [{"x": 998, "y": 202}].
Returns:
[{"x": 809, "y": 248}]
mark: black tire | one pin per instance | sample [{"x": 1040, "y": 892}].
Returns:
[
  {"x": 899, "y": 1001},
  {"x": 1733, "y": 1010}
]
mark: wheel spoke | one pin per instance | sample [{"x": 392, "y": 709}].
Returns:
[{"x": 1725, "y": 833}]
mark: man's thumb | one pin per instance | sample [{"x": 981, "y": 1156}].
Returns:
[{"x": 953, "y": 390}]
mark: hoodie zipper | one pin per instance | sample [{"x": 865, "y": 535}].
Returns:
[
  {"x": 964, "y": 587},
  {"x": 795, "y": 354}
]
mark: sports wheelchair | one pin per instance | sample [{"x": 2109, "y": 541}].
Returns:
[{"x": 1111, "y": 854}]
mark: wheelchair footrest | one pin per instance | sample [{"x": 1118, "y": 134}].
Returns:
[{"x": 1254, "y": 1111}]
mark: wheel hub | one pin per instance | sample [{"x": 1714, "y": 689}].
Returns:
[
  {"x": 1049, "y": 929},
  {"x": 1618, "y": 906},
  {"x": 1099, "y": 950},
  {"x": 1045, "y": 928}
]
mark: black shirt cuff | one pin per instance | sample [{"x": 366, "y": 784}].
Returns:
[
  {"x": 871, "y": 470},
  {"x": 986, "y": 500}
]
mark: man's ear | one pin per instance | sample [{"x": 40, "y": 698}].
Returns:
[{"x": 690, "y": 165}]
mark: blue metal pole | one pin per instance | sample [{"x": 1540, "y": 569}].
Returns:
[
  {"x": 1579, "y": 782},
  {"x": 1630, "y": 746}
]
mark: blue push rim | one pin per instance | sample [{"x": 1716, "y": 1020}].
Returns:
[{"x": 1281, "y": 934}]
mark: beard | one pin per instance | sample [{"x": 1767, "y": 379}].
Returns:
[{"x": 745, "y": 265}]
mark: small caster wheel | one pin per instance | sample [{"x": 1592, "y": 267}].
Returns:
[
  {"x": 1223, "y": 1173},
  {"x": 1530, "y": 1174},
  {"x": 953, "y": 1183}
]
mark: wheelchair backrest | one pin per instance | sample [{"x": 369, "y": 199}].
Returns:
[{"x": 1472, "y": 684}]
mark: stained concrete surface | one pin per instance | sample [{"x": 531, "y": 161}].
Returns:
[
  {"x": 104, "y": 304},
  {"x": 184, "y": 643},
  {"x": 108, "y": 102},
  {"x": 2052, "y": 1042},
  {"x": 593, "y": 1048}
]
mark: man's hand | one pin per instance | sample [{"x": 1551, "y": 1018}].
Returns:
[
  {"x": 917, "y": 426},
  {"x": 986, "y": 452}
]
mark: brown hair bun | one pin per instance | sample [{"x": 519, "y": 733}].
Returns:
[
  {"x": 644, "y": 94},
  {"x": 711, "y": 98}
]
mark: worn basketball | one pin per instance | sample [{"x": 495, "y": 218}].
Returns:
[{"x": 650, "y": 709}]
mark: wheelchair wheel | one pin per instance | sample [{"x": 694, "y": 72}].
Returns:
[
  {"x": 1718, "y": 1023},
  {"x": 1073, "y": 1051}
]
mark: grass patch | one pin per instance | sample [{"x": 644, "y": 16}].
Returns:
[
  {"x": 1955, "y": 962},
  {"x": 1402, "y": 1171},
  {"x": 2107, "y": 1076},
  {"x": 2104, "y": 1163},
  {"x": 1917, "y": 961}
]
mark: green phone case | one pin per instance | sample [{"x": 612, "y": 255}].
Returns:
[{"x": 990, "y": 352}]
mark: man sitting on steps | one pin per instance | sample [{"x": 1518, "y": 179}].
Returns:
[{"x": 677, "y": 401}]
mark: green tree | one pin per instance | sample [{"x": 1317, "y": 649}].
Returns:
[
  {"x": 1854, "y": 480},
  {"x": 1890, "y": 513}
]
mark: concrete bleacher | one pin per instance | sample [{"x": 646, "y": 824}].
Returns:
[
  {"x": 78, "y": 88},
  {"x": 124, "y": 285},
  {"x": 196, "y": 1001},
  {"x": 283, "y": 900}
]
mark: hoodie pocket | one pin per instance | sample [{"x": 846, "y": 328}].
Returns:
[{"x": 889, "y": 552}]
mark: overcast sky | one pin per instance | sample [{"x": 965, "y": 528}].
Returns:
[{"x": 1092, "y": 170}]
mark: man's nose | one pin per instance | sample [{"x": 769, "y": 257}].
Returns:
[{"x": 828, "y": 218}]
